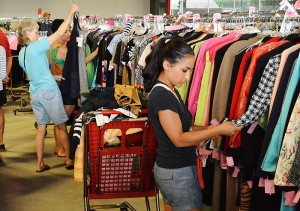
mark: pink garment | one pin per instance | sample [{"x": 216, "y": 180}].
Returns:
[
  {"x": 212, "y": 57},
  {"x": 175, "y": 27},
  {"x": 199, "y": 69},
  {"x": 297, "y": 5}
]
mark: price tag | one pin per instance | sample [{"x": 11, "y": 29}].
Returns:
[
  {"x": 261, "y": 182},
  {"x": 235, "y": 172},
  {"x": 250, "y": 183},
  {"x": 269, "y": 186},
  {"x": 196, "y": 16},
  {"x": 214, "y": 122},
  {"x": 290, "y": 13},
  {"x": 127, "y": 16},
  {"x": 252, "y": 127},
  {"x": 79, "y": 41},
  {"x": 159, "y": 17},
  {"x": 297, "y": 197},
  {"x": 229, "y": 161},
  {"x": 289, "y": 197},
  {"x": 217, "y": 16},
  {"x": 251, "y": 9}
]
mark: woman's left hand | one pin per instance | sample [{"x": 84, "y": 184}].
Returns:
[{"x": 58, "y": 77}]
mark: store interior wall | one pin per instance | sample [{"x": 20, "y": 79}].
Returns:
[{"x": 59, "y": 8}]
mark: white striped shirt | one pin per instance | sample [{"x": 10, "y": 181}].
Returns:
[{"x": 2, "y": 66}]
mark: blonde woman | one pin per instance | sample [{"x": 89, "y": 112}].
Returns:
[{"x": 46, "y": 100}]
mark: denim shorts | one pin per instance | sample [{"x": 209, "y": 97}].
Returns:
[
  {"x": 47, "y": 105},
  {"x": 179, "y": 187}
]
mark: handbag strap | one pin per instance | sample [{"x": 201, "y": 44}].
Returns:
[
  {"x": 25, "y": 55},
  {"x": 167, "y": 88}
]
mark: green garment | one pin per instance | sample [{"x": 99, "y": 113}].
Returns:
[
  {"x": 53, "y": 57},
  {"x": 203, "y": 91},
  {"x": 90, "y": 69}
]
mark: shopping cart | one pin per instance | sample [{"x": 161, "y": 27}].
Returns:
[{"x": 119, "y": 166}]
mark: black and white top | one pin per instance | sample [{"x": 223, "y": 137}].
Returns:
[
  {"x": 2, "y": 66},
  {"x": 260, "y": 100}
]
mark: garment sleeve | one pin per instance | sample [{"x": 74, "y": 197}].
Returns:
[
  {"x": 260, "y": 100},
  {"x": 165, "y": 100}
]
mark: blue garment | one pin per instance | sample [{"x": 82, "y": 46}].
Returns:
[
  {"x": 284, "y": 207},
  {"x": 271, "y": 157},
  {"x": 37, "y": 66}
]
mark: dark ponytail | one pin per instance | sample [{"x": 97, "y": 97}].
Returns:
[{"x": 171, "y": 50}]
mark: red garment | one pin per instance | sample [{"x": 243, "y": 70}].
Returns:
[
  {"x": 240, "y": 78},
  {"x": 4, "y": 42},
  {"x": 235, "y": 141}
]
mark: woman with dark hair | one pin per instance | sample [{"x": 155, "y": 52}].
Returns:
[
  {"x": 169, "y": 65},
  {"x": 58, "y": 56}
]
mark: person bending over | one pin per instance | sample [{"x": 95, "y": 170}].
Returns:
[{"x": 169, "y": 65}]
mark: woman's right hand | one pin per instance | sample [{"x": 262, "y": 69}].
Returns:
[
  {"x": 228, "y": 128},
  {"x": 74, "y": 8}
]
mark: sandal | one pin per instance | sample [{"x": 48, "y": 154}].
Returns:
[{"x": 45, "y": 168}]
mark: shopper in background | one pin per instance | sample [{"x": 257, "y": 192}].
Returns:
[
  {"x": 58, "y": 55},
  {"x": 169, "y": 65},
  {"x": 46, "y": 100},
  {"x": 4, "y": 43},
  {"x": 2, "y": 77}
]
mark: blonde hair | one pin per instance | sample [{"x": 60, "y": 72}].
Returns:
[{"x": 26, "y": 25}]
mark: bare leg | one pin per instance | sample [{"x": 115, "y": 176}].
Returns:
[
  {"x": 69, "y": 109},
  {"x": 63, "y": 137},
  {"x": 2, "y": 123},
  {"x": 59, "y": 148},
  {"x": 40, "y": 145}
]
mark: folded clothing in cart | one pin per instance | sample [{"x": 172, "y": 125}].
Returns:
[{"x": 112, "y": 137}]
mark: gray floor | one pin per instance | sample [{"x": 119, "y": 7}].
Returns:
[{"x": 22, "y": 189}]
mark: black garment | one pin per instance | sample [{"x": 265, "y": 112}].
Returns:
[
  {"x": 117, "y": 61},
  {"x": 167, "y": 154},
  {"x": 189, "y": 36},
  {"x": 235, "y": 70},
  {"x": 260, "y": 201},
  {"x": 104, "y": 54},
  {"x": 273, "y": 118},
  {"x": 17, "y": 76},
  {"x": 71, "y": 85}
]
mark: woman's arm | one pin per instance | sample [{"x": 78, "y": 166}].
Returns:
[
  {"x": 60, "y": 31},
  {"x": 91, "y": 56},
  {"x": 172, "y": 125}
]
